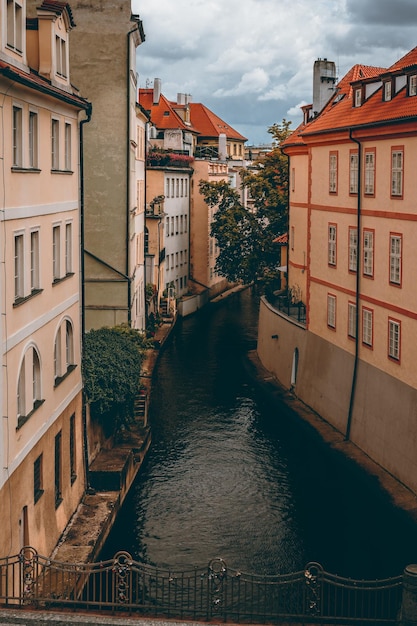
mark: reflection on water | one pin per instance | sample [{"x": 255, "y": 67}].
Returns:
[{"x": 230, "y": 475}]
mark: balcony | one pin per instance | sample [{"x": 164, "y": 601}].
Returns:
[
  {"x": 168, "y": 158},
  {"x": 284, "y": 303}
]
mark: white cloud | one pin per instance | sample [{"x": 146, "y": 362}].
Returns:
[{"x": 251, "y": 61}]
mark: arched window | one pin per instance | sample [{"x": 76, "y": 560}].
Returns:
[
  {"x": 69, "y": 345},
  {"x": 29, "y": 385},
  {"x": 57, "y": 355}
]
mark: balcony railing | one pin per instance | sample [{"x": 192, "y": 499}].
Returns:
[{"x": 284, "y": 304}]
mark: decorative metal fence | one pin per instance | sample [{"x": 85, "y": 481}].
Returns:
[{"x": 215, "y": 592}]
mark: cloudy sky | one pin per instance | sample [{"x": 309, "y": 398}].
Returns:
[{"x": 251, "y": 61}]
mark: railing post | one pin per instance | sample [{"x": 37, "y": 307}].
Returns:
[{"x": 408, "y": 611}]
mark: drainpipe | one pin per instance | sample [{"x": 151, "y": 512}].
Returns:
[
  {"x": 358, "y": 258},
  {"x": 127, "y": 234},
  {"x": 82, "y": 272}
]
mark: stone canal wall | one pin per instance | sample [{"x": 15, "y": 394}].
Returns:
[{"x": 319, "y": 375}]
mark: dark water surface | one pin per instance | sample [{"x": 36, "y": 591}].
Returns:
[{"x": 230, "y": 475}]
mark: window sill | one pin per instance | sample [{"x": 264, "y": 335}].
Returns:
[
  {"x": 67, "y": 172},
  {"x": 60, "y": 280},
  {"x": 59, "y": 379},
  {"x": 20, "y": 301},
  {"x": 25, "y": 170},
  {"x": 22, "y": 419}
]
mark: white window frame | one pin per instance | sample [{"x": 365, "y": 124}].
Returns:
[
  {"x": 34, "y": 260},
  {"x": 412, "y": 85},
  {"x": 394, "y": 339},
  {"x": 333, "y": 158},
  {"x": 56, "y": 252},
  {"x": 387, "y": 91},
  {"x": 370, "y": 173},
  {"x": 358, "y": 97},
  {"x": 368, "y": 252},
  {"x": 68, "y": 249},
  {"x": 395, "y": 258},
  {"x": 397, "y": 169},
  {"x": 332, "y": 245},
  {"x": 351, "y": 320},
  {"x": 17, "y": 136},
  {"x": 33, "y": 139},
  {"x": 353, "y": 172},
  {"x": 331, "y": 311},
  {"x": 68, "y": 146},
  {"x": 55, "y": 128},
  {"x": 367, "y": 327},
  {"x": 14, "y": 25},
  {"x": 19, "y": 265},
  {"x": 58, "y": 354},
  {"x": 353, "y": 249}
]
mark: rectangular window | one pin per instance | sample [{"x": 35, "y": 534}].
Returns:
[
  {"x": 56, "y": 252},
  {"x": 55, "y": 144},
  {"x": 293, "y": 179},
  {"x": 352, "y": 320},
  {"x": 61, "y": 56},
  {"x": 353, "y": 249},
  {"x": 19, "y": 285},
  {"x": 38, "y": 478},
  {"x": 292, "y": 237},
  {"x": 68, "y": 147},
  {"x": 167, "y": 226},
  {"x": 68, "y": 248},
  {"x": 397, "y": 160},
  {"x": 331, "y": 311},
  {"x": 73, "y": 466},
  {"x": 370, "y": 173},
  {"x": 353, "y": 172},
  {"x": 358, "y": 97},
  {"x": 33, "y": 139},
  {"x": 185, "y": 223},
  {"x": 17, "y": 137},
  {"x": 58, "y": 469},
  {"x": 186, "y": 187},
  {"x": 333, "y": 172},
  {"x": 172, "y": 225},
  {"x": 367, "y": 327},
  {"x": 387, "y": 90},
  {"x": 167, "y": 187},
  {"x": 412, "y": 85},
  {"x": 332, "y": 244},
  {"x": 368, "y": 252},
  {"x": 34, "y": 260},
  {"x": 176, "y": 224},
  {"x": 395, "y": 259},
  {"x": 15, "y": 25},
  {"x": 394, "y": 337}
]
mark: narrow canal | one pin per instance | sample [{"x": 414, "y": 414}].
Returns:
[{"x": 230, "y": 475}]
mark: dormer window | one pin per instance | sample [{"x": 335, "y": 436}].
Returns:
[
  {"x": 61, "y": 56},
  {"x": 358, "y": 97},
  {"x": 412, "y": 85},
  {"x": 387, "y": 91},
  {"x": 15, "y": 25}
]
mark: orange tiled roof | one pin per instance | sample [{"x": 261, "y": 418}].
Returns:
[
  {"x": 162, "y": 114},
  {"x": 408, "y": 60},
  {"x": 210, "y": 125},
  {"x": 340, "y": 113}
]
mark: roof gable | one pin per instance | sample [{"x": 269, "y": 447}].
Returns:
[{"x": 209, "y": 124}]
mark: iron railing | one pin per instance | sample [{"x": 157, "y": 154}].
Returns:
[{"x": 215, "y": 592}]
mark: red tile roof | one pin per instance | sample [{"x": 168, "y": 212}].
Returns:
[
  {"x": 162, "y": 114},
  {"x": 340, "y": 112},
  {"x": 211, "y": 125}
]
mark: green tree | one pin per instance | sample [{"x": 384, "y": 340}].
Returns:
[
  {"x": 247, "y": 251},
  {"x": 111, "y": 365}
]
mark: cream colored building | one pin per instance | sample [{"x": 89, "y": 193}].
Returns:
[
  {"x": 352, "y": 260},
  {"x": 204, "y": 249},
  {"x": 42, "y": 475}
]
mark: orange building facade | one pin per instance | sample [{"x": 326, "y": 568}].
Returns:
[{"x": 352, "y": 259}]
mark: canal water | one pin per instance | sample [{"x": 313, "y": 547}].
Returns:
[{"x": 231, "y": 475}]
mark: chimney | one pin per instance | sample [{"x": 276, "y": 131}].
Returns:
[
  {"x": 156, "y": 90},
  {"x": 222, "y": 147},
  {"x": 181, "y": 98},
  {"x": 324, "y": 79}
]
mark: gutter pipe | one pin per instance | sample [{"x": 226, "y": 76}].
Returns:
[{"x": 358, "y": 266}]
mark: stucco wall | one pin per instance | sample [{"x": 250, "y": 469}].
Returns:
[{"x": 383, "y": 419}]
